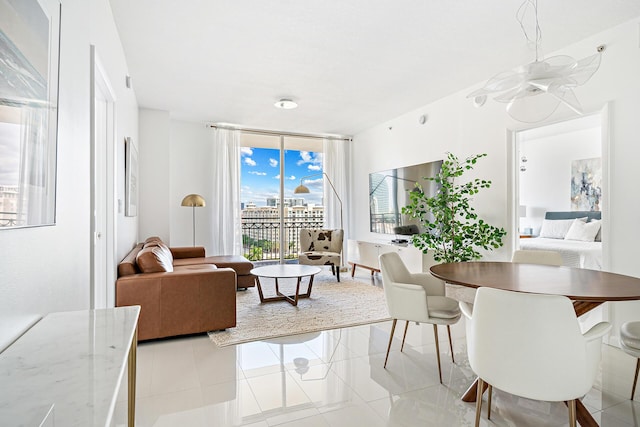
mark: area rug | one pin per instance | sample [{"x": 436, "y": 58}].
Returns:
[{"x": 331, "y": 305}]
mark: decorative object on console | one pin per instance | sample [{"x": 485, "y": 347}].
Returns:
[
  {"x": 193, "y": 201},
  {"x": 455, "y": 232},
  {"x": 534, "y": 91}
]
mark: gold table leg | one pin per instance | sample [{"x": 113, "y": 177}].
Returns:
[{"x": 132, "y": 378}]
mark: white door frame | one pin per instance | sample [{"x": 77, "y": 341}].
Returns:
[{"x": 102, "y": 291}]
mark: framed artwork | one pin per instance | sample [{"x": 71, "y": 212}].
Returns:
[
  {"x": 29, "y": 52},
  {"x": 586, "y": 184},
  {"x": 131, "y": 178}
]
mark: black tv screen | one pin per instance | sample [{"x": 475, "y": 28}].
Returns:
[{"x": 389, "y": 192}]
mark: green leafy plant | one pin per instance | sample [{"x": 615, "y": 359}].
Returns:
[{"x": 453, "y": 230}]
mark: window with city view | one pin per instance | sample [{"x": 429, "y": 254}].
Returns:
[{"x": 261, "y": 174}]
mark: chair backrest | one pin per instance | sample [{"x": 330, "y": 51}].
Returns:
[
  {"x": 529, "y": 345},
  {"x": 537, "y": 257},
  {"x": 321, "y": 240}
]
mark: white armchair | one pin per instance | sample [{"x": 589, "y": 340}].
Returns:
[
  {"x": 417, "y": 297},
  {"x": 530, "y": 345}
]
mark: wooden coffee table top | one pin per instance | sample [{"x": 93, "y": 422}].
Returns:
[
  {"x": 283, "y": 271},
  {"x": 575, "y": 283}
]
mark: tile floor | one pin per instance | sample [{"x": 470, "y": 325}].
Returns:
[{"x": 335, "y": 378}]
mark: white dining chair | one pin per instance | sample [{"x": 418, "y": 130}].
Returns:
[
  {"x": 416, "y": 297},
  {"x": 524, "y": 256},
  {"x": 630, "y": 343},
  {"x": 530, "y": 345}
]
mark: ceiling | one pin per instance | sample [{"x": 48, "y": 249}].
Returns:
[{"x": 348, "y": 64}]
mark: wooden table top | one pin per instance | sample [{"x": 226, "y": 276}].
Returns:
[{"x": 576, "y": 283}]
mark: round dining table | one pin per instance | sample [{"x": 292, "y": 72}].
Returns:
[{"x": 586, "y": 288}]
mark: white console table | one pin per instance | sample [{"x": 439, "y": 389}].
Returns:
[
  {"x": 365, "y": 254},
  {"x": 66, "y": 370}
]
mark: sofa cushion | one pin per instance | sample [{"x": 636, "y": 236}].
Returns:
[
  {"x": 153, "y": 259},
  {"x": 240, "y": 264}
]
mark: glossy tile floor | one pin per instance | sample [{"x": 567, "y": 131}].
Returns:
[{"x": 335, "y": 378}]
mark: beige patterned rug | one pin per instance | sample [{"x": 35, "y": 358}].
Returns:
[{"x": 331, "y": 305}]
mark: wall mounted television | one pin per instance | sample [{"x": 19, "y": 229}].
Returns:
[{"x": 389, "y": 192}]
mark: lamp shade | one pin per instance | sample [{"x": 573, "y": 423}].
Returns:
[
  {"x": 193, "y": 200},
  {"x": 301, "y": 189}
]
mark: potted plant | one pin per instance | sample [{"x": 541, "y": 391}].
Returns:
[{"x": 453, "y": 230}]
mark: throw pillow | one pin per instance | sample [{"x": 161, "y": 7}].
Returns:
[
  {"x": 557, "y": 228},
  {"x": 599, "y": 235},
  {"x": 157, "y": 242},
  {"x": 153, "y": 260},
  {"x": 583, "y": 231}
]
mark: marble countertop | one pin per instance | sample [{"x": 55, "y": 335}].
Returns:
[{"x": 67, "y": 369}]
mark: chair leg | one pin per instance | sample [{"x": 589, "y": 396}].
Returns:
[
  {"x": 635, "y": 379},
  {"x": 338, "y": 273},
  {"x": 333, "y": 269},
  {"x": 479, "y": 400},
  {"x": 572, "y": 413},
  {"x": 393, "y": 329},
  {"x": 450, "y": 343},
  {"x": 435, "y": 334},
  {"x": 406, "y": 326},
  {"x": 490, "y": 390}
]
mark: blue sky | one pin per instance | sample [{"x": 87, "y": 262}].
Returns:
[{"x": 260, "y": 174}]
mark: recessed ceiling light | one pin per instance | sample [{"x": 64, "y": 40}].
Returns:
[{"x": 285, "y": 104}]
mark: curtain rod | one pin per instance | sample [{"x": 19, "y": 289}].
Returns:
[{"x": 275, "y": 133}]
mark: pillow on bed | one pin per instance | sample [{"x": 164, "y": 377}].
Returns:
[
  {"x": 599, "y": 235},
  {"x": 557, "y": 228},
  {"x": 583, "y": 231}
]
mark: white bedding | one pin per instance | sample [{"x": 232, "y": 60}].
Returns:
[{"x": 574, "y": 253}]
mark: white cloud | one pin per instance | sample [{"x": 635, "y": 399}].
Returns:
[
  {"x": 257, "y": 173},
  {"x": 246, "y": 151},
  {"x": 312, "y": 158},
  {"x": 277, "y": 176},
  {"x": 292, "y": 177},
  {"x": 273, "y": 163},
  {"x": 249, "y": 161},
  {"x": 314, "y": 167}
]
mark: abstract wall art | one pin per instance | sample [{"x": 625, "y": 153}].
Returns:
[{"x": 586, "y": 184}]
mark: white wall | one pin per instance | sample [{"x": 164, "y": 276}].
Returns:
[
  {"x": 154, "y": 166},
  {"x": 46, "y": 269},
  {"x": 175, "y": 160},
  {"x": 455, "y": 125}
]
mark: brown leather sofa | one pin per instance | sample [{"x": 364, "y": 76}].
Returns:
[{"x": 179, "y": 290}]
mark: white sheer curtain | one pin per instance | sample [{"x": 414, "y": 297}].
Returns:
[
  {"x": 335, "y": 164},
  {"x": 225, "y": 200}
]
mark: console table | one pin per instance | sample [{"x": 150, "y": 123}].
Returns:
[
  {"x": 66, "y": 370},
  {"x": 365, "y": 254}
]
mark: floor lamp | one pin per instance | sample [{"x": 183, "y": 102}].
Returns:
[
  {"x": 193, "y": 201},
  {"x": 303, "y": 189}
]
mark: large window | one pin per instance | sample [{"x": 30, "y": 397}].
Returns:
[{"x": 272, "y": 215}]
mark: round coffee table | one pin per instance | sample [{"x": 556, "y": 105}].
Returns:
[{"x": 285, "y": 271}]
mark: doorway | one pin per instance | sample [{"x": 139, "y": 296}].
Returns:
[{"x": 102, "y": 235}]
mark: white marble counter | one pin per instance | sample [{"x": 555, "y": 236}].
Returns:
[{"x": 68, "y": 365}]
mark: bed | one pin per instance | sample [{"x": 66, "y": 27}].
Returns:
[{"x": 575, "y": 253}]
